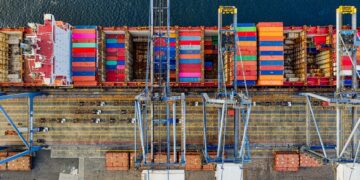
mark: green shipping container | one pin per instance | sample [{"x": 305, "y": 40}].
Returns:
[
  {"x": 111, "y": 63},
  {"x": 246, "y": 58},
  {"x": 84, "y": 45},
  {"x": 246, "y": 29}
]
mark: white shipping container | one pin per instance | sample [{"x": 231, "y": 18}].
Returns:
[{"x": 163, "y": 175}]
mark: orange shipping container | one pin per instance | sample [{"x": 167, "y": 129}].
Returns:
[
  {"x": 246, "y": 43},
  {"x": 84, "y": 31},
  {"x": 271, "y": 77},
  {"x": 270, "y": 24},
  {"x": 270, "y": 83},
  {"x": 83, "y": 78},
  {"x": 271, "y": 29},
  {"x": 83, "y": 64},
  {"x": 271, "y": 48},
  {"x": 190, "y": 56},
  {"x": 270, "y": 58},
  {"x": 271, "y": 38}
]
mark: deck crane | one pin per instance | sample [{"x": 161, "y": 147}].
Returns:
[
  {"x": 237, "y": 148},
  {"x": 347, "y": 43},
  {"x": 156, "y": 107}
]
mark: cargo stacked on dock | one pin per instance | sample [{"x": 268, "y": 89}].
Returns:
[
  {"x": 118, "y": 61},
  {"x": 190, "y": 59},
  {"x": 271, "y": 53},
  {"x": 161, "y": 55},
  {"x": 246, "y": 54},
  {"x": 210, "y": 57},
  {"x": 84, "y": 55}
]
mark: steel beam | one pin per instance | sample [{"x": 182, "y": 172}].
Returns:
[{"x": 316, "y": 126}]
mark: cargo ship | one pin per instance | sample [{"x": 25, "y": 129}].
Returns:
[
  {"x": 56, "y": 54},
  {"x": 86, "y": 70}
]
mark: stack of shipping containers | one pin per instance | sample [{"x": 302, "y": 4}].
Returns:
[
  {"x": 140, "y": 56},
  {"x": 246, "y": 54},
  {"x": 84, "y": 55},
  {"x": 190, "y": 59},
  {"x": 3, "y": 57},
  {"x": 271, "y": 53},
  {"x": 294, "y": 56},
  {"x": 118, "y": 63},
  {"x": 319, "y": 52},
  {"x": 160, "y": 53},
  {"x": 210, "y": 57}
]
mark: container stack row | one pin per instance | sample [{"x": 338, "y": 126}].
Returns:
[
  {"x": 271, "y": 53},
  {"x": 210, "y": 57},
  {"x": 190, "y": 65},
  {"x": 4, "y": 57},
  {"x": 246, "y": 54},
  {"x": 115, "y": 59},
  {"x": 294, "y": 56},
  {"x": 160, "y": 51},
  {"x": 84, "y": 55}
]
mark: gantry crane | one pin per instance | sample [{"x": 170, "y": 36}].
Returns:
[
  {"x": 226, "y": 100},
  {"x": 29, "y": 141},
  {"x": 347, "y": 42},
  {"x": 153, "y": 106}
]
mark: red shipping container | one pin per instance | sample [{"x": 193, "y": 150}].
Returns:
[
  {"x": 248, "y": 78},
  {"x": 189, "y": 33},
  {"x": 115, "y": 50},
  {"x": 83, "y": 50},
  {"x": 247, "y": 73},
  {"x": 115, "y": 53},
  {"x": 115, "y": 72},
  {"x": 115, "y": 58},
  {"x": 114, "y": 36},
  {"x": 241, "y": 68},
  {"x": 246, "y": 34},
  {"x": 84, "y": 54},
  {"x": 346, "y": 61},
  {"x": 190, "y": 42},
  {"x": 189, "y": 70},
  {"x": 185, "y": 66},
  {"x": 318, "y": 40}
]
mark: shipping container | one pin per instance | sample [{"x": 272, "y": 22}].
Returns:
[{"x": 210, "y": 55}]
